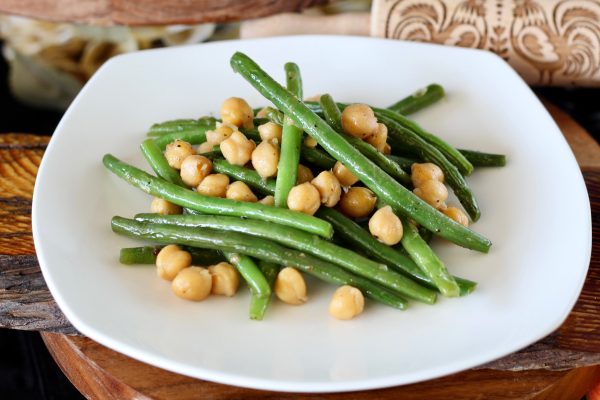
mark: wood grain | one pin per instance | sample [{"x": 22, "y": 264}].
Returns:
[{"x": 151, "y": 12}]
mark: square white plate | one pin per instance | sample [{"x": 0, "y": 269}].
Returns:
[{"x": 535, "y": 210}]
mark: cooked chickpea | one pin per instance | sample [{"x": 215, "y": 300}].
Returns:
[
  {"x": 316, "y": 97},
  {"x": 177, "y": 151},
  {"x": 238, "y": 112},
  {"x": 170, "y": 260},
  {"x": 220, "y": 133},
  {"x": 237, "y": 148},
  {"x": 267, "y": 200},
  {"x": 214, "y": 185},
  {"x": 329, "y": 188},
  {"x": 270, "y": 131},
  {"x": 194, "y": 168},
  {"x": 358, "y": 202},
  {"x": 387, "y": 149},
  {"x": 205, "y": 147},
  {"x": 265, "y": 159},
  {"x": 432, "y": 192},
  {"x": 347, "y": 302},
  {"x": 225, "y": 279},
  {"x": 457, "y": 214},
  {"x": 378, "y": 138},
  {"x": 164, "y": 207},
  {"x": 359, "y": 120},
  {"x": 263, "y": 113},
  {"x": 304, "y": 198},
  {"x": 290, "y": 286},
  {"x": 241, "y": 192},
  {"x": 343, "y": 174},
  {"x": 309, "y": 141},
  {"x": 385, "y": 226},
  {"x": 421, "y": 173},
  {"x": 304, "y": 174},
  {"x": 192, "y": 283}
]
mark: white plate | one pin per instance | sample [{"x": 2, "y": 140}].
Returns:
[{"x": 535, "y": 211}]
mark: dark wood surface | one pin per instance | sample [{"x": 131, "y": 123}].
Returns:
[{"x": 571, "y": 354}]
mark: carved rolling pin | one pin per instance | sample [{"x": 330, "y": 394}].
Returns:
[{"x": 548, "y": 42}]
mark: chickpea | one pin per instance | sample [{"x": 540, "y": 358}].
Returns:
[
  {"x": 263, "y": 113},
  {"x": 205, "y": 147},
  {"x": 214, "y": 185},
  {"x": 329, "y": 188},
  {"x": 421, "y": 173},
  {"x": 177, "y": 151},
  {"x": 358, "y": 202},
  {"x": 237, "y": 149},
  {"x": 290, "y": 286},
  {"x": 192, "y": 283},
  {"x": 385, "y": 226},
  {"x": 267, "y": 200},
  {"x": 241, "y": 192},
  {"x": 225, "y": 279},
  {"x": 347, "y": 302},
  {"x": 304, "y": 174},
  {"x": 265, "y": 159},
  {"x": 309, "y": 141},
  {"x": 457, "y": 214},
  {"x": 343, "y": 174},
  {"x": 237, "y": 112},
  {"x": 220, "y": 133},
  {"x": 387, "y": 149},
  {"x": 432, "y": 192},
  {"x": 304, "y": 198},
  {"x": 170, "y": 260},
  {"x": 359, "y": 120},
  {"x": 270, "y": 131},
  {"x": 316, "y": 97},
  {"x": 164, "y": 207},
  {"x": 195, "y": 168},
  {"x": 378, "y": 138}
]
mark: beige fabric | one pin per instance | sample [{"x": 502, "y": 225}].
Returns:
[{"x": 549, "y": 42}]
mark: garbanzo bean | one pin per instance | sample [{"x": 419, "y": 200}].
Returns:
[
  {"x": 237, "y": 148},
  {"x": 270, "y": 131},
  {"x": 205, "y": 147},
  {"x": 457, "y": 214},
  {"x": 347, "y": 302},
  {"x": 304, "y": 174},
  {"x": 262, "y": 113},
  {"x": 433, "y": 192},
  {"x": 265, "y": 159},
  {"x": 164, "y": 207},
  {"x": 221, "y": 132},
  {"x": 194, "y": 168},
  {"x": 267, "y": 200},
  {"x": 378, "y": 138},
  {"x": 309, "y": 141},
  {"x": 329, "y": 188},
  {"x": 225, "y": 279},
  {"x": 238, "y": 112},
  {"x": 387, "y": 149},
  {"x": 304, "y": 198},
  {"x": 214, "y": 185},
  {"x": 241, "y": 192},
  {"x": 192, "y": 283},
  {"x": 385, "y": 226},
  {"x": 358, "y": 202},
  {"x": 170, "y": 260},
  {"x": 177, "y": 151},
  {"x": 359, "y": 120},
  {"x": 343, "y": 174},
  {"x": 422, "y": 172},
  {"x": 290, "y": 286}
]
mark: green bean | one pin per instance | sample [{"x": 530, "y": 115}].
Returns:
[
  {"x": 246, "y": 175},
  {"x": 181, "y": 125},
  {"x": 260, "y": 290},
  {"x": 258, "y": 248},
  {"x": 353, "y": 234},
  {"x": 159, "y": 163},
  {"x": 269, "y": 270},
  {"x": 333, "y": 116},
  {"x": 481, "y": 159},
  {"x": 213, "y": 205},
  {"x": 428, "y": 261},
  {"x": 147, "y": 255},
  {"x": 401, "y": 199},
  {"x": 317, "y": 158},
  {"x": 275, "y": 116},
  {"x": 195, "y": 136},
  {"x": 418, "y": 100},
  {"x": 291, "y": 140},
  {"x": 302, "y": 241},
  {"x": 260, "y": 304},
  {"x": 404, "y": 162}
]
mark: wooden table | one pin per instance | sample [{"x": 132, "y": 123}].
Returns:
[{"x": 564, "y": 365}]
